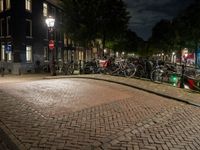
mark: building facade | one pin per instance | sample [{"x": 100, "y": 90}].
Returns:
[{"x": 24, "y": 35}]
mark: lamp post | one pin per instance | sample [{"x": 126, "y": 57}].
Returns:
[{"x": 50, "y": 21}]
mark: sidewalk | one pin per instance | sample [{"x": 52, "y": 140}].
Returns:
[{"x": 165, "y": 90}]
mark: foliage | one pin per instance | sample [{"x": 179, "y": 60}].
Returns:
[
  {"x": 128, "y": 42},
  {"x": 163, "y": 37},
  {"x": 187, "y": 26},
  {"x": 182, "y": 31},
  {"x": 88, "y": 20}
]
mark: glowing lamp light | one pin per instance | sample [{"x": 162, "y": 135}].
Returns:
[
  {"x": 50, "y": 21},
  {"x": 174, "y": 79},
  {"x": 186, "y": 55}
]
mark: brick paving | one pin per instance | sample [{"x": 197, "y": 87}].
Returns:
[
  {"x": 3, "y": 145},
  {"x": 188, "y": 96},
  {"x": 112, "y": 117}
]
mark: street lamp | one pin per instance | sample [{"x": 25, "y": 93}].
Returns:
[
  {"x": 163, "y": 56},
  {"x": 104, "y": 52},
  {"x": 173, "y": 55},
  {"x": 185, "y": 56},
  {"x": 50, "y": 21}
]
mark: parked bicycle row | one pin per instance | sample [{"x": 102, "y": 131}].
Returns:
[{"x": 155, "y": 70}]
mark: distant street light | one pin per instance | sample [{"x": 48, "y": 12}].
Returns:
[
  {"x": 163, "y": 56},
  {"x": 50, "y": 21},
  {"x": 173, "y": 55},
  {"x": 185, "y": 57}
]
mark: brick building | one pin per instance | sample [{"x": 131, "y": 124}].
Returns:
[{"x": 24, "y": 34}]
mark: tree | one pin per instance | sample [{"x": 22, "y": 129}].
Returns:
[
  {"x": 79, "y": 20},
  {"x": 112, "y": 19},
  {"x": 128, "y": 42},
  {"x": 187, "y": 27},
  {"x": 163, "y": 37},
  {"x": 90, "y": 19}
]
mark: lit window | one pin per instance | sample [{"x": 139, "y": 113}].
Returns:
[
  {"x": 65, "y": 56},
  {"x": 65, "y": 39},
  {"x": 1, "y": 5},
  {"x": 46, "y": 54},
  {"x": 28, "y": 5},
  {"x": 8, "y": 26},
  {"x": 8, "y": 50},
  {"x": 28, "y": 28},
  {"x": 8, "y": 4},
  {"x": 80, "y": 55},
  {"x": 29, "y": 53},
  {"x": 45, "y": 9},
  {"x": 2, "y": 52},
  {"x": 9, "y": 56}
]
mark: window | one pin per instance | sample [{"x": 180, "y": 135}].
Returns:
[
  {"x": 80, "y": 55},
  {"x": 60, "y": 17},
  {"x": 28, "y": 28},
  {"x": 53, "y": 11},
  {"x": 29, "y": 53},
  {"x": 9, "y": 56},
  {"x": 59, "y": 53},
  {"x": 59, "y": 36},
  {"x": 65, "y": 39},
  {"x": 65, "y": 56},
  {"x": 28, "y": 5},
  {"x": 46, "y": 34},
  {"x": 1, "y": 5},
  {"x": 8, "y": 4},
  {"x": 2, "y": 52},
  {"x": 8, "y": 49},
  {"x": 46, "y": 54},
  {"x": 2, "y": 27},
  {"x": 45, "y": 9},
  {"x": 8, "y": 26}
]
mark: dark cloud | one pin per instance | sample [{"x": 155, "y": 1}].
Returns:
[{"x": 146, "y": 13}]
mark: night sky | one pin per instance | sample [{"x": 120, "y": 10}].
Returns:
[{"x": 146, "y": 13}]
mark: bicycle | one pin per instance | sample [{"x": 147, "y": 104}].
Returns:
[
  {"x": 68, "y": 68},
  {"x": 163, "y": 73}
]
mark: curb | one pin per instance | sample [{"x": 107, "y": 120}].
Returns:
[{"x": 10, "y": 140}]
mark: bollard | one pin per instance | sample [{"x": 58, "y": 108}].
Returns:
[{"x": 182, "y": 76}]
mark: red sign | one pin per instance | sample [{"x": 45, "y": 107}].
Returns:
[{"x": 51, "y": 44}]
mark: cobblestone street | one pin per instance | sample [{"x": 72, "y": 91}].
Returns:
[{"x": 89, "y": 114}]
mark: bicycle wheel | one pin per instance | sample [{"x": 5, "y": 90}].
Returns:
[
  {"x": 130, "y": 70},
  {"x": 140, "y": 71},
  {"x": 70, "y": 70},
  {"x": 156, "y": 76}
]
